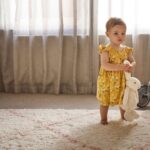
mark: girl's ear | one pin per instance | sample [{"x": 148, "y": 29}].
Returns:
[{"x": 107, "y": 34}]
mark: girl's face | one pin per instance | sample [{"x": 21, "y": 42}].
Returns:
[{"x": 116, "y": 35}]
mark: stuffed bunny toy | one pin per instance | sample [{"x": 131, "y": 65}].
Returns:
[{"x": 130, "y": 98}]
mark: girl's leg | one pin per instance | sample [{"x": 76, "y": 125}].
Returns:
[
  {"x": 122, "y": 111},
  {"x": 103, "y": 114}
]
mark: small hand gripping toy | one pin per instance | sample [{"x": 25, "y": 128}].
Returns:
[{"x": 130, "y": 98}]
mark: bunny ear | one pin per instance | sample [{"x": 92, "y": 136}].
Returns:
[
  {"x": 127, "y": 75},
  {"x": 126, "y": 62},
  {"x": 126, "y": 97}
]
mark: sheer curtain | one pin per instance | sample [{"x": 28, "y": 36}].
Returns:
[
  {"x": 135, "y": 14},
  {"x": 48, "y": 46}
]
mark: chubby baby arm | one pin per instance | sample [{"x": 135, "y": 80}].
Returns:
[
  {"x": 132, "y": 62},
  {"x": 112, "y": 67}
]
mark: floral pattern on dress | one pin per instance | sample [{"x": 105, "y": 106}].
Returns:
[{"x": 111, "y": 84}]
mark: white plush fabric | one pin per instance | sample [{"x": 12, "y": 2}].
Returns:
[{"x": 130, "y": 98}]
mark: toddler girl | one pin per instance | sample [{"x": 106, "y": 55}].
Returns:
[{"x": 111, "y": 78}]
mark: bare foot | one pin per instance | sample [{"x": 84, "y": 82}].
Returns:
[
  {"x": 123, "y": 119},
  {"x": 104, "y": 122},
  {"x": 122, "y": 112}
]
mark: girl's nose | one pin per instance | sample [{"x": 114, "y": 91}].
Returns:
[{"x": 120, "y": 35}]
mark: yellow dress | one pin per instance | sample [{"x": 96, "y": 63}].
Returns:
[{"x": 111, "y": 84}]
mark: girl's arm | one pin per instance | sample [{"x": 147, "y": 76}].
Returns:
[
  {"x": 131, "y": 59},
  {"x": 111, "y": 67}
]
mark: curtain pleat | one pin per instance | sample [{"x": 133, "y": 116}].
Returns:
[
  {"x": 61, "y": 27},
  {"x": 142, "y": 53},
  {"x": 90, "y": 44},
  {"x": 95, "y": 42},
  {"x": 7, "y": 66},
  {"x": 44, "y": 38},
  {"x": 75, "y": 45}
]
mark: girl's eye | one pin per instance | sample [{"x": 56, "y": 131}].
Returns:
[{"x": 116, "y": 33}]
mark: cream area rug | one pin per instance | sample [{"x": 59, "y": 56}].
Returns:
[{"x": 58, "y": 129}]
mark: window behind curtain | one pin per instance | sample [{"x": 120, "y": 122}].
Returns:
[
  {"x": 43, "y": 16},
  {"x": 133, "y": 12},
  {"x": 38, "y": 17}
]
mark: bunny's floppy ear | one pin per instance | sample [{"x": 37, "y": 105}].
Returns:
[
  {"x": 126, "y": 98},
  {"x": 126, "y": 62},
  {"x": 127, "y": 74}
]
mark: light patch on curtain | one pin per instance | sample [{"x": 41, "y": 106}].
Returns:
[
  {"x": 45, "y": 17},
  {"x": 133, "y": 12}
]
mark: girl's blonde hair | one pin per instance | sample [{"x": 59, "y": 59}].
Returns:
[{"x": 113, "y": 22}]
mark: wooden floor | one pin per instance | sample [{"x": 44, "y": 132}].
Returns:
[
  {"x": 45, "y": 101},
  {"x": 21, "y": 101}
]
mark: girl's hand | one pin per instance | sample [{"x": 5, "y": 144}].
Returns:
[
  {"x": 130, "y": 69},
  {"x": 127, "y": 68}
]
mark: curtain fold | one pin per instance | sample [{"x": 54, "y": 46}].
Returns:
[
  {"x": 142, "y": 53},
  {"x": 44, "y": 51}
]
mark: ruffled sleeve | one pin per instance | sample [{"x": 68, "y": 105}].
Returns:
[
  {"x": 129, "y": 50},
  {"x": 102, "y": 48}
]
